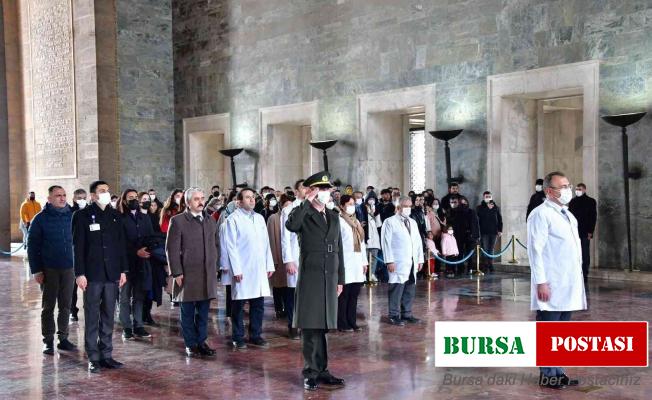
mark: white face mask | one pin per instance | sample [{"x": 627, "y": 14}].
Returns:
[
  {"x": 488, "y": 199},
  {"x": 177, "y": 200},
  {"x": 273, "y": 203},
  {"x": 435, "y": 207},
  {"x": 114, "y": 204},
  {"x": 406, "y": 212},
  {"x": 143, "y": 210},
  {"x": 538, "y": 188},
  {"x": 372, "y": 202},
  {"x": 152, "y": 197},
  {"x": 104, "y": 198},
  {"x": 358, "y": 201},
  {"x": 330, "y": 205},
  {"x": 324, "y": 196},
  {"x": 565, "y": 196},
  {"x": 81, "y": 203},
  {"x": 396, "y": 202},
  {"x": 450, "y": 231},
  {"x": 350, "y": 210},
  {"x": 578, "y": 193}
]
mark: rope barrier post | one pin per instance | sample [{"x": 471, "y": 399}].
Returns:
[
  {"x": 477, "y": 261},
  {"x": 369, "y": 282},
  {"x": 431, "y": 274},
  {"x": 513, "y": 260}
]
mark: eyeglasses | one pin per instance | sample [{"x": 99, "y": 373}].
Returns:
[{"x": 569, "y": 186}]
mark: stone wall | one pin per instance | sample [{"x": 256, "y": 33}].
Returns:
[
  {"x": 237, "y": 56},
  {"x": 145, "y": 93},
  {"x": 5, "y": 230}
]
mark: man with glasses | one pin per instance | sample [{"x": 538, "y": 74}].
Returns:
[{"x": 554, "y": 250}]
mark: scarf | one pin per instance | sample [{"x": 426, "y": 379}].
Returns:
[{"x": 358, "y": 232}]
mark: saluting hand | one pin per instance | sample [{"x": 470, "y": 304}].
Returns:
[{"x": 312, "y": 194}]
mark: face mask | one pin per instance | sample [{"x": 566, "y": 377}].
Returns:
[
  {"x": 453, "y": 205},
  {"x": 146, "y": 205},
  {"x": 132, "y": 204},
  {"x": 435, "y": 207},
  {"x": 372, "y": 202},
  {"x": 152, "y": 196},
  {"x": 216, "y": 193},
  {"x": 32, "y": 198},
  {"x": 350, "y": 210},
  {"x": 406, "y": 212},
  {"x": 358, "y": 201},
  {"x": 396, "y": 202},
  {"x": 323, "y": 196},
  {"x": 273, "y": 203},
  {"x": 330, "y": 205},
  {"x": 578, "y": 193},
  {"x": 104, "y": 199},
  {"x": 565, "y": 196},
  {"x": 538, "y": 188},
  {"x": 488, "y": 199},
  {"x": 114, "y": 204},
  {"x": 81, "y": 203},
  {"x": 177, "y": 200},
  {"x": 450, "y": 231}
]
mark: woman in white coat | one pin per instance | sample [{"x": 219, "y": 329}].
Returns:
[
  {"x": 355, "y": 265},
  {"x": 403, "y": 253}
]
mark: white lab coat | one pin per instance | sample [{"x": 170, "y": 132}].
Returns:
[
  {"x": 353, "y": 262},
  {"x": 555, "y": 255},
  {"x": 289, "y": 246},
  {"x": 225, "y": 266},
  {"x": 373, "y": 223},
  {"x": 401, "y": 247},
  {"x": 247, "y": 246}
]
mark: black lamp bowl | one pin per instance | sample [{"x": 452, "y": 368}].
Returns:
[
  {"x": 446, "y": 135},
  {"x": 323, "y": 144},
  {"x": 623, "y": 120},
  {"x": 231, "y": 152}
]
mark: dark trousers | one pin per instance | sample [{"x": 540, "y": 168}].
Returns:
[
  {"x": 99, "y": 311},
  {"x": 401, "y": 296},
  {"x": 131, "y": 305},
  {"x": 278, "y": 293},
  {"x": 488, "y": 243},
  {"x": 315, "y": 352},
  {"x": 586, "y": 255},
  {"x": 347, "y": 306},
  {"x": 288, "y": 303},
  {"x": 228, "y": 301},
  {"x": 73, "y": 306},
  {"x": 194, "y": 322},
  {"x": 553, "y": 316},
  {"x": 57, "y": 288},
  {"x": 255, "y": 318}
]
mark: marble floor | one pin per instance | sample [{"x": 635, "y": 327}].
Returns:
[{"x": 381, "y": 362}]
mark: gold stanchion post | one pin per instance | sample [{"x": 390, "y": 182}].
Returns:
[
  {"x": 477, "y": 261},
  {"x": 513, "y": 260}
]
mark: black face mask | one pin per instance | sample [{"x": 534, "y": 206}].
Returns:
[
  {"x": 32, "y": 198},
  {"x": 145, "y": 205},
  {"x": 132, "y": 204},
  {"x": 216, "y": 194}
]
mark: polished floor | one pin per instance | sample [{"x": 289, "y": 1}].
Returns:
[{"x": 381, "y": 362}]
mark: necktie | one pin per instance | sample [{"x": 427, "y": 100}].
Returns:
[
  {"x": 323, "y": 214},
  {"x": 407, "y": 223},
  {"x": 565, "y": 214},
  {"x": 199, "y": 218}
]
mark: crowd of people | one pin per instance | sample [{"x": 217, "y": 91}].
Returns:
[{"x": 133, "y": 248}]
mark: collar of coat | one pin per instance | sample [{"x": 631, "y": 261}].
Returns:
[
  {"x": 190, "y": 217},
  {"x": 319, "y": 220}
]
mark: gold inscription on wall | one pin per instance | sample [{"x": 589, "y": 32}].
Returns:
[{"x": 53, "y": 89}]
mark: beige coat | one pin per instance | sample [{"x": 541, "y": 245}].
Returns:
[
  {"x": 192, "y": 252},
  {"x": 279, "y": 278}
]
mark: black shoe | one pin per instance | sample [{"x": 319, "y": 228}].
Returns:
[
  {"x": 148, "y": 320},
  {"x": 141, "y": 333},
  {"x": 411, "y": 320},
  {"x": 565, "y": 380},
  {"x": 193, "y": 351},
  {"x": 74, "y": 317},
  {"x": 327, "y": 379},
  {"x": 205, "y": 350},
  {"x": 551, "y": 382},
  {"x": 128, "y": 334},
  {"x": 293, "y": 334},
  {"x": 110, "y": 363},
  {"x": 48, "y": 348},
  {"x": 259, "y": 342},
  {"x": 346, "y": 330},
  {"x": 66, "y": 345},
  {"x": 310, "y": 384},
  {"x": 281, "y": 314},
  {"x": 239, "y": 344},
  {"x": 357, "y": 328},
  {"x": 396, "y": 321},
  {"x": 93, "y": 367}
]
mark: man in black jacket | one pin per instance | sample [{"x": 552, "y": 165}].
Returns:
[
  {"x": 465, "y": 225},
  {"x": 537, "y": 197},
  {"x": 385, "y": 208},
  {"x": 491, "y": 226},
  {"x": 100, "y": 267},
  {"x": 584, "y": 208},
  {"x": 79, "y": 202}
]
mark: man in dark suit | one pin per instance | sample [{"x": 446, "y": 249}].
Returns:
[
  {"x": 537, "y": 197},
  {"x": 321, "y": 278},
  {"x": 100, "y": 267},
  {"x": 585, "y": 210}
]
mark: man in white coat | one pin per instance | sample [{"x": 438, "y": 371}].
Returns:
[
  {"x": 250, "y": 258},
  {"x": 403, "y": 253},
  {"x": 555, "y": 253}
]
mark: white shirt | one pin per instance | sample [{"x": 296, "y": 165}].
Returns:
[
  {"x": 247, "y": 246},
  {"x": 289, "y": 245},
  {"x": 401, "y": 247},
  {"x": 373, "y": 223},
  {"x": 555, "y": 255},
  {"x": 354, "y": 262}
]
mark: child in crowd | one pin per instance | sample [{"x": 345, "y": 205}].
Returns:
[
  {"x": 432, "y": 252},
  {"x": 449, "y": 249}
]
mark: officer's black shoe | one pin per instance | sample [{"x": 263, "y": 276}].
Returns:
[{"x": 310, "y": 384}]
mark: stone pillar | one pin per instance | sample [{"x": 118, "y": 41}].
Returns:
[{"x": 4, "y": 143}]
